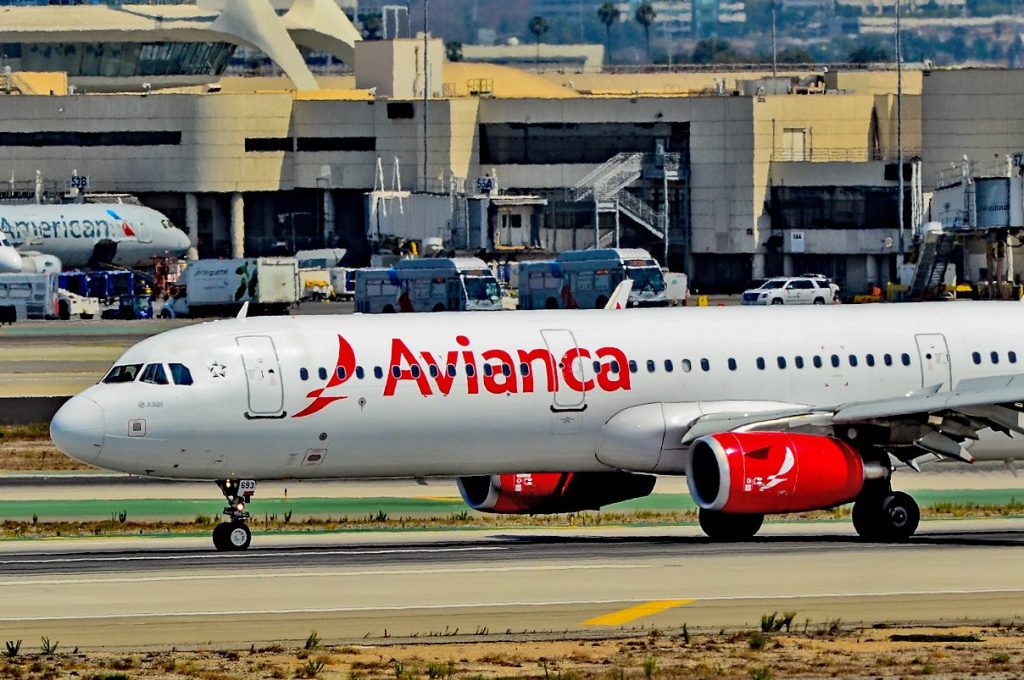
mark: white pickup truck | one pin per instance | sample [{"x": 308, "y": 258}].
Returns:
[{"x": 793, "y": 290}]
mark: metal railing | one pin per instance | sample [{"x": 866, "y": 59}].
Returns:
[
  {"x": 640, "y": 212},
  {"x": 610, "y": 177}
]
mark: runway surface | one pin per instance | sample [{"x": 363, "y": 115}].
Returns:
[{"x": 164, "y": 592}]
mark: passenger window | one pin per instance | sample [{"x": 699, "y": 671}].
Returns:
[
  {"x": 887, "y": 359},
  {"x": 687, "y": 366},
  {"x": 615, "y": 366},
  {"x": 799, "y": 361},
  {"x": 396, "y": 372},
  {"x": 341, "y": 372},
  {"x": 524, "y": 369},
  {"x": 760, "y": 363},
  {"x": 870, "y": 359},
  {"x": 488, "y": 371},
  {"x": 378, "y": 372},
  {"x": 705, "y": 365},
  {"x": 668, "y": 366},
  {"x": 122, "y": 374},
  {"x": 597, "y": 367},
  {"x": 154, "y": 374},
  {"x": 470, "y": 370},
  {"x": 632, "y": 366},
  {"x": 360, "y": 373},
  {"x": 782, "y": 362},
  {"x": 506, "y": 370},
  {"x": 853, "y": 360},
  {"x": 322, "y": 372},
  {"x": 835, "y": 360},
  {"x": 433, "y": 370},
  {"x": 650, "y": 366},
  {"x": 905, "y": 358},
  {"x": 180, "y": 374},
  {"x": 732, "y": 364},
  {"x": 1011, "y": 357},
  {"x": 995, "y": 357},
  {"x": 451, "y": 370},
  {"x": 976, "y": 356},
  {"x": 303, "y": 374},
  {"x": 415, "y": 370},
  {"x": 817, "y": 361}
]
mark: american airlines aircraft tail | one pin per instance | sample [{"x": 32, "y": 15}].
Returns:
[{"x": 764, "y": 410}]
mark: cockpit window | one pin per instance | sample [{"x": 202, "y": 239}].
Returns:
[
  {"x": 154, "y": 374},
  {"x": 125, "y": 373},
  {"x": 180, "y": 374}
]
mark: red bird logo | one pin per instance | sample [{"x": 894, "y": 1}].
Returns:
[{"x": 344, "y": 370}]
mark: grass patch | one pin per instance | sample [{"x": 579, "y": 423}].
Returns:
[{"x": 31, "y": 432}]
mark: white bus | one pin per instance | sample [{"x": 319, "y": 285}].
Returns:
[
  {"x": 447, "y": 284},
  {"x": 377, "y": 290}
]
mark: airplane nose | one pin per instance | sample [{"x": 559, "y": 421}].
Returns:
[
  {"x": 181, "y": 242},
  {"x": 77, "y": 429},
  {"x": 10, "y": 261}
]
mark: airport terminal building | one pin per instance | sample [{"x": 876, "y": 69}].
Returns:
[{"x": 770, "y": 176}]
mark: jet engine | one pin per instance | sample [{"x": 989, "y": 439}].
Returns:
[
  {"x": 775, "y": 472},
  {"x": 551, "y": 492}
]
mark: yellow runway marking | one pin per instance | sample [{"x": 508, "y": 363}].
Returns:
[{"x": 636, "y": 612}]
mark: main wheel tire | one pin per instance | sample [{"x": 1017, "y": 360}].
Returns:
[
  {"x": 729, "y": 527},
  {"x": 819, "y": 301},
  {"x": 777, "y": 301},
  {"x": 901, "y": 516},
  {"x": 867, "y": 518},
  {"x": 551, "y": 303}
]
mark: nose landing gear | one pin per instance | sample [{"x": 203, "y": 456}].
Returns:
[{"x": 234, "y": 534}]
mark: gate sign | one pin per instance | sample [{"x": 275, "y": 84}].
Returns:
[{"x": 78, "y": 182}]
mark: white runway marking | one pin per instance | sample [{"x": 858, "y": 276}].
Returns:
[
  {"x": 500, "y": 605},
  {"x": 247, "y": 556}
]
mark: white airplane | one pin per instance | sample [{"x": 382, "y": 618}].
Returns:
[
  {"x": 764, "y": 410},
  {"x": 10, "y": 260},
  {"x": 91, "y": 234}
]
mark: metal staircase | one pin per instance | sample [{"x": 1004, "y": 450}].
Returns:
[
  {"x": 932, "y": 261},
  {"x": 606, "y": 186}
]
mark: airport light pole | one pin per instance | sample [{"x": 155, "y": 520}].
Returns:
[{"x": 899, "y": 136}]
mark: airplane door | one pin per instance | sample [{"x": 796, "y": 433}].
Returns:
[
  {"x": 262, "y": 376},
  {"x": 561, "y": 343},
  {"x": 935, "y": 366}
]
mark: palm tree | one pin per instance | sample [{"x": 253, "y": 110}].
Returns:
[
  {"x": 608, "y": 13},
  {"x": 645, "y": 17},
  {"x": 538, "y": 26}
]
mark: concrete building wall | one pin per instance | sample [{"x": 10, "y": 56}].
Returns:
[{"x": 976, "y": 113}]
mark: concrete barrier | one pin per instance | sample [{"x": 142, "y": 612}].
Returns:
[{"x": 28, "y": 410}]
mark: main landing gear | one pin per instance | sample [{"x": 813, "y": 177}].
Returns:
[
  {"x": 885, "y": 515},
  {"x": 234, "y": 534}
]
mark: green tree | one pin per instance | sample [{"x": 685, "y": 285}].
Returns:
[
  {"x": 373, "y": 25},
  {"x": 714, "y": 51},
  {"x": 453, "y": 50},
  {"x": 794, "y": 55},
  {"x": 538, "y": 26},
  {"x": 644, "y": 16},
  {"x": 869, "y": 53},
  {"x": 608, "y": 13}
]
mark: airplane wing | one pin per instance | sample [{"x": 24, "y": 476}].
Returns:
[
  {"x": 919, "y": 427},
  {"x": 620, "y": 296}
]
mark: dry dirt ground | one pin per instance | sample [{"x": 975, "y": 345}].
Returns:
[
  {"x": 26, "y": 455},
  {"x": 824, "y": 651}
]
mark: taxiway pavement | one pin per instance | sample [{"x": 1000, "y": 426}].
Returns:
[{"x": 177, "y": 592}]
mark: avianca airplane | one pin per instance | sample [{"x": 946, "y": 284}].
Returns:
[
  {"x": 765, "y": 411},
  {"x": 89, "y": 234}
]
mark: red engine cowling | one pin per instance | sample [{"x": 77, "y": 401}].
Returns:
[
  {"x": 774, "y": 472},
  {"x": 551, "y": 492}
]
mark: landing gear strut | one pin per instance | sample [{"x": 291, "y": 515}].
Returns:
[
  {"x": 889, "y": 516},
  {"x": 234, "y": 534},
  {"x": 728, "y": 526}
]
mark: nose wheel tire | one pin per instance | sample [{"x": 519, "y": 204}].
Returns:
[
  {"x": 892, "y": 517},
  {"x": 729, "y": 527},
  {"x": 229, "y": 536}
]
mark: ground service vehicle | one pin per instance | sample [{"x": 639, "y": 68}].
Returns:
[
  {"x": 560, "y": 411},
  {"x": 343, "y": 282},
  {"x": 220, "y": 287},
  {"x": 540, "y": 285},
  {"x": 377, "y": 290},
  {"x": 447, "y": 284},
  {"x": 38, "y": 296},
  {"x": 591, "y": 276},
  {"x": 793, "y": 290}
]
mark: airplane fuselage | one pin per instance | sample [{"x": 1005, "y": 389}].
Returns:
[
  {"x": 83, "y": 233},
  {"x": 466, "y": 393}
]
